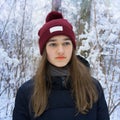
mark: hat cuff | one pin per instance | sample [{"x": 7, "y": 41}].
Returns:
[{"x": 47, "y": 35}]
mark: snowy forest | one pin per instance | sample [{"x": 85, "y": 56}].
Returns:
[{"x": 97, "y": 27}]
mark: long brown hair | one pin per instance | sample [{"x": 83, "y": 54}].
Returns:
[{"x": 83, "y": 88}]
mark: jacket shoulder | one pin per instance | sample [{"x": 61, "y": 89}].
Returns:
[
  {"x": 97, "y": 83},
  {"x": 26, "y": 89},
  {"x": 27, "y": 85},
  {"x": 99, "y": 89},
  {"x": 83, "y": 60}
]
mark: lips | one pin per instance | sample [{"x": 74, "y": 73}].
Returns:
[{"x": 60, "y": 57}]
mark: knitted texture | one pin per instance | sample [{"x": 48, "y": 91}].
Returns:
[{"x": 55, "y": 25}]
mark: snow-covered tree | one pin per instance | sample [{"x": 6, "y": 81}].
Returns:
[{"x": 98, "y": 41}]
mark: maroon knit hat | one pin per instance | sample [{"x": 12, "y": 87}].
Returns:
[{"x": 55, "y": 25}]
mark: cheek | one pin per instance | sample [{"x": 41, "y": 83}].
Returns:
[
  {"x": 70, "y": 50},
  {"x": 47, "y": 52},
  {"x": 70, "y": 53},
  {"x": 50, "y": 55}
]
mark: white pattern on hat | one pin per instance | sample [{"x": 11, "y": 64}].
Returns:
[{"x": 56, "y": 28}]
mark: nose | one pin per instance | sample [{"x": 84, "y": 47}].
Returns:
[{"x": 60, "y": 50}]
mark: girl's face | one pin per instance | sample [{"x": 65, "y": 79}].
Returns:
[{"x": 59, "y": 50}]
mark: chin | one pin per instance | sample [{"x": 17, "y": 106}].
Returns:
[{"x": 60, "y": 65}]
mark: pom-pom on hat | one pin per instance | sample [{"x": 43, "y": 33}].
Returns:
[{"x": 55, "y": 25}]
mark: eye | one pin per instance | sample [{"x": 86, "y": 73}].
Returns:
[
  {"x": 67, "y": 43},
  {"x": 52, "y": 44}
]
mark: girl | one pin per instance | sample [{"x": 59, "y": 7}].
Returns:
[{"x": 62, "y": 88}]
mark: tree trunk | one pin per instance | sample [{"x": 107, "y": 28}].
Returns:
[
  {"x": 56, "y": 4},
  {"x": 84, "y": 16}
]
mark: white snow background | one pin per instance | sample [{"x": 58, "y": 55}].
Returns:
[{"x": 19, "y": 53}]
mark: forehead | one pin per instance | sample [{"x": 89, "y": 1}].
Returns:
[{"x": 59, "y": 38}]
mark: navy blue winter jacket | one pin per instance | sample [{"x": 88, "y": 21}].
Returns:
[{"x": 60, "y": 104}]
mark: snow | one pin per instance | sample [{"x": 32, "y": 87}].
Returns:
[{"x": 19, "y": 51}]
